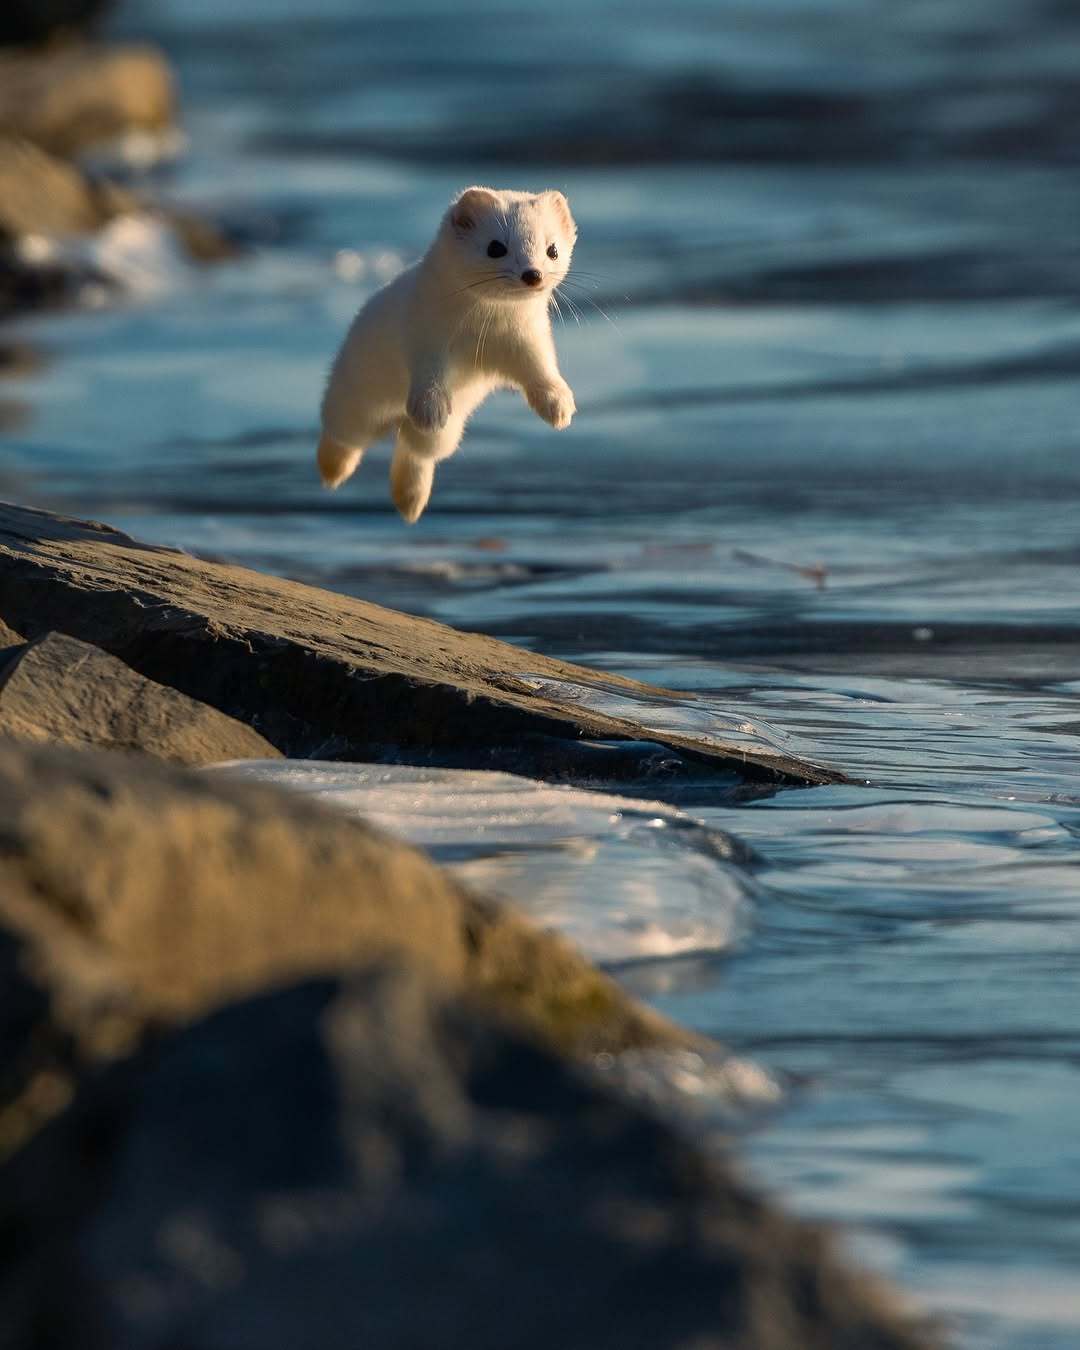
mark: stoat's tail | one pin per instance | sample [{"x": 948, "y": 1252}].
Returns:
[{"x": 336, "y": 462}]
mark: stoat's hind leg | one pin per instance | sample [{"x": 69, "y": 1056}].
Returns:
[
  {"x": 416, "y": 452},
  {"x": 412, "y": 470},
  {"x": 336, "y": 462},
  {"x": 411, "y": 479}
]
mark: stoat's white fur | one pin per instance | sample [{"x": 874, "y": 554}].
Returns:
[{"x": 427, "y": 349}]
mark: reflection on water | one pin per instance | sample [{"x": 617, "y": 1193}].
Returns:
[{"x": 824, "y": 477}]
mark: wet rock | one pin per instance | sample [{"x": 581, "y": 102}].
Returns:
[
  {"x": 366, "y": 1161},
  {"x": 47, "y": 204},
  {"x": 134, "y": 894},
  {"x": 63, "y": 690},
  {"x": 43, "y": 195},
  {"x": 68, "y": 99},
  {"x": 54, "y": 104},
  {"x": 45, "y": 200},
  {"x": 331, "y": 676},
  {"x": 42, "y": 198},
  {"x": 28, "y": 21}
]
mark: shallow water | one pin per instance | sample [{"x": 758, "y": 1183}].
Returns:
[{"x": 824, "y": 479}]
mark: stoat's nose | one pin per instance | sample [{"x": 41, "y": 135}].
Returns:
[{"x": 532, "y": 277}]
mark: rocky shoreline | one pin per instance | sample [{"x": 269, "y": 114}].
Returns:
[
  {"x": 268, "y": 1076},
  {"x": 330, "y": 676},
  {"x": 271, "y": 1077}
]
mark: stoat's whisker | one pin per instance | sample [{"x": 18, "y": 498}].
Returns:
[
  {"x": 484, "y": 281},
  {"x": 573, "y": 310},
  {"x": 600, "y": 310}
]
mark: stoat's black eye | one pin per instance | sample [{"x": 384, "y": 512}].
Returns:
[
  {"x": 496, "y": 250},
  {"x": 553, "y": 252}
]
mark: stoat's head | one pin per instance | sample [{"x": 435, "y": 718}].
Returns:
[{"x": 509, "y": 246}]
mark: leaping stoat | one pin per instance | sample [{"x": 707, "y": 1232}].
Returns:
[{"x": 470, "y": 317}]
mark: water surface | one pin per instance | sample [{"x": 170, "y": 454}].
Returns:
[{"x": 824, "y": 479}]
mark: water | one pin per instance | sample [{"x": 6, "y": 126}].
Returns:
[
  {"x": 624, "y": 878},
  {"x": 824, "y": 479}
]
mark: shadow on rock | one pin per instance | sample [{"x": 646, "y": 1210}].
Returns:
[{"x": 365, "y": 1161}]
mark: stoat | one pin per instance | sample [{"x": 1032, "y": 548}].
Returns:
[{"x": 470, "y": 317}]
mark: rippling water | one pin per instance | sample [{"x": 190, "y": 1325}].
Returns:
[{"x": 824, "y": 478}]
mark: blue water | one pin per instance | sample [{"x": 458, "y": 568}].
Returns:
[{"x": 824, "y": 474}]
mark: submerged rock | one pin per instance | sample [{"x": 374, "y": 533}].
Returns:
[
  {"x": 333, "y": 676},
  {"x": 63, "y": 690},
  {"x": 370, "y": 1162}
]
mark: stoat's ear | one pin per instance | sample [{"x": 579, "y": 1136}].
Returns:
[
  {"x": 469, "y": 205},
  {"x": 561, "y": 207}
]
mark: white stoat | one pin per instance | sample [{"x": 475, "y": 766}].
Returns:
[{"x": 470, "y": 317}]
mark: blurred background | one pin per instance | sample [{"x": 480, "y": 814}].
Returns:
[{"x": 822, "y": 327}]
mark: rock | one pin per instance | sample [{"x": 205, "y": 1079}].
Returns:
[
  {"x": 61, "y": 689},
  {"x": 9, "y": 639},
  {"x": 68, "y": 99},
  {"x": 46, "y": 202},
  {"x": 17, "y": 359},
  {"x": 367, "y": 1162},
  {"x": 331, "y": 676},
  {"x": 134, "y": 894},
  {"x": 43, "y": 195},
  {"x": 26, "y": 21},
  {"x": 42, "y": 199}
]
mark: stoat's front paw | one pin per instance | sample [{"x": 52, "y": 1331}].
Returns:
[
  {"x": 554, "y": 403},
  {"x": 429, "y": 408}
]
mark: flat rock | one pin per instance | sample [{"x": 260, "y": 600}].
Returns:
[
  {"x": 333, "y": 676},
  {"x": 72, "y": 97},
  {"x": 134, "y": 894},
  {"x": 368, "y": 1162},
  {"x": 63, "y": 690}
]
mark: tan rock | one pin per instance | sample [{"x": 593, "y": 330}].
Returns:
[
  {"x": 9, "y": 639},
  {"x": 41, "y": 194},
  {"x": 68, "y": 99},
  {"x": 63, "y": 690}
]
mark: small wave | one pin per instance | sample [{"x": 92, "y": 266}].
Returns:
[
  {"x": 698, "y": 717},
  {"x": 622, "y": 878},
  {"x": 716, "y": 1090},
  {"x": 136, "y": 257}
]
